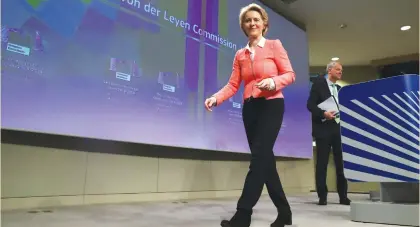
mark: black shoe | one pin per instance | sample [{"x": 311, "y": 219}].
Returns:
[
  {"x": 240, "y": 219},
  {"x": 226, "y": 223},
  {"x": 282, "y": 219},
  {"x": 289, "y": 219},
  {"x": 345, "y": 201},
  {"x": 322, "y": 202}
]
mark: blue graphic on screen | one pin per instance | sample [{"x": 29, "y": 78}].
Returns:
[
  {"x": 380, "y": 126},
  {"x": 138, "y": 71}
]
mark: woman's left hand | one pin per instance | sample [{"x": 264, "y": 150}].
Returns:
[{"x": 266, "y": 84}]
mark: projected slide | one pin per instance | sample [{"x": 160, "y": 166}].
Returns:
[{"x": 138, "y": 71}]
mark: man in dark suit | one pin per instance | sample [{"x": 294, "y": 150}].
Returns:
[{"x": 326, "y": 131}]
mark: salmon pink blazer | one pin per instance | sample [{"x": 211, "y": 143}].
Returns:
[{"x": 270, "y": 61}]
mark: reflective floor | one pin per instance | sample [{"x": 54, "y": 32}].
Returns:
[{"x": 200, "y": 213}]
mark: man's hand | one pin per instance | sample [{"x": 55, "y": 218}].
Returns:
[{"x": 329, "y": 115}]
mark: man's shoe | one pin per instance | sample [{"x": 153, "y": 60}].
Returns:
[
  {"x": 322, "y": 202},
  {"x": 345, "y": 201}
]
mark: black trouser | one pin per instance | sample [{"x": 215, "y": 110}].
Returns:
[
  {"x": 262, "y": 119},
  {"x": 323, "y": 148}
]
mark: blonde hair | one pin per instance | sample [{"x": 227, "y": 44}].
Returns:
[{"x": 258, "y": 9}]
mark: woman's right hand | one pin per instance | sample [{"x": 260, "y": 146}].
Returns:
[{"x": 209, "y": 103}]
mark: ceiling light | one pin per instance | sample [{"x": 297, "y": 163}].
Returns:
[
  {"x": 405, "y": 28},
  {"x": 335, "y": 58},
  {"x": 343, "y": 26}
]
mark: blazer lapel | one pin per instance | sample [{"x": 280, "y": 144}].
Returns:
[{"x": 326, "y": 89}]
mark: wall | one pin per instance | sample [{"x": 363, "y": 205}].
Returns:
[
  {"x": 351, "y": 75},
  {"x": 34, "y": 177}
]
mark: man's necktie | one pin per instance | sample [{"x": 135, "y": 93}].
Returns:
[{"x": 335, "y": 94}]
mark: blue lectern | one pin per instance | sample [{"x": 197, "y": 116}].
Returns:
[{"x": 380, "y": 127}]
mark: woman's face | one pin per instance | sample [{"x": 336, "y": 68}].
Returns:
[{"x": 253, "y": 24}]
